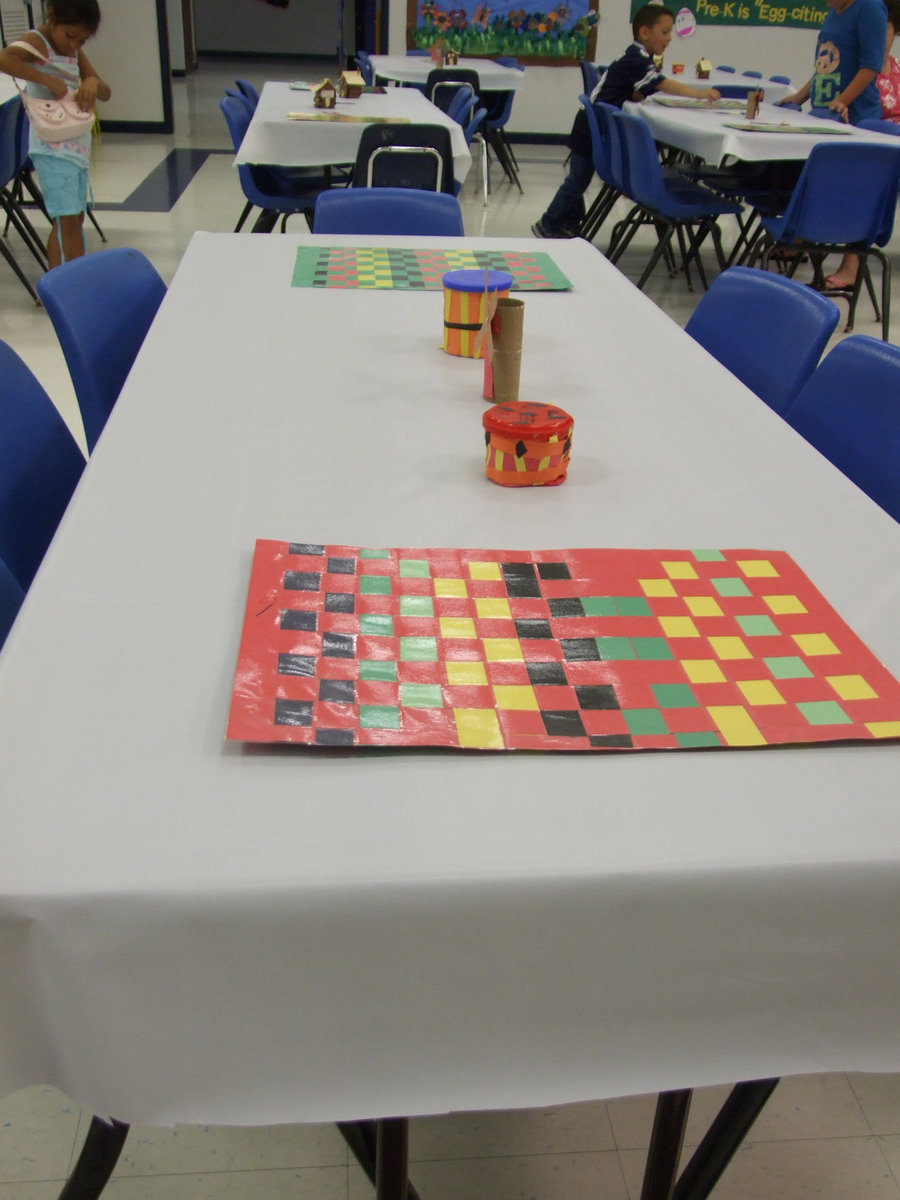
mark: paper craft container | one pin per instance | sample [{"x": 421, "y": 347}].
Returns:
[
  {"x": 527, "y": 444},
  {"x": 464, "y": 307}
]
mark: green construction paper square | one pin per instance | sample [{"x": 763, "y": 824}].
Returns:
[
  {"x": 416, "y": 606},
  {"x": 632, "y": 606},
  {"x": 709, "y": 556},
  {"x": 758, "y": 626},
  {"x": 644, "y": 720},
  {"x": 418, "y": 649},
  {"x": 788, "y": 666},
  {"x": 688, "y": 741},
  {"x": 421, "y": 695},
  {"x": 599, "y": 606},
  {"x": 824, "y": 712},
  {"x": 674, "y": 695},
  {"x": 652, "y": 649},
  {"x": 375, "y": 585},
  {"x": 374, "y": 553},
  {"x": 414, "y": 568},
  {"x": 612, "y": 648},
  {"x": 731, "y": 586},
  {"x": 377, "y": 670},
  {"x": 376, "y": 624},
  {"x": 379, "y": 716}
]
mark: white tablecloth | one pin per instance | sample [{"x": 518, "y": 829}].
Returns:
[
  {"x": 414, "y": 68},
  {"x": 705, "y": 132},
  {"x": 275, "y": 140},
  {"x": 773, "y": 91},
  {"x": 196, "y": 931}
]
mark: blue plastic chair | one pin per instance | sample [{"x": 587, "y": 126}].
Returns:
[
  {"x": 609, "y": 193},
  {"x": 499, "y": 109},
  {"x": 414, "y": 156},
  {"x": 364, "y": 63},
  {"x": 824, "y": 114},
  {"x": 848, "y": 410},
  {"x": 11, "y": 597},
  {"x": 845, "y": 199},
  {"x": 786, "y": 79},
  {"x": 722, "y": 67},
  {"x": 881, "y": 126},
  {"x": 101, "y": 306},
  {"x": 368, "y": 211},
  {"x": 248, "y": 90},
  {"x": 676, "y": 207},
  {"x": 752, "y": 74},
  {"x": 590, "y": 76},
  {"x": 453, "y": 98},
  {"x": 767, "y": 330},
  {"x": 278, "y": 191},
  {"x": 11, "y": 117},
  {"x": 40, "y": 465}
]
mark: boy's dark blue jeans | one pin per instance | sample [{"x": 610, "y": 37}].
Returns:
[{"x": 566, "y": 209}]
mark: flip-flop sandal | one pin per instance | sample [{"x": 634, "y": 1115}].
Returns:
[{"x": 834, "y": 283}]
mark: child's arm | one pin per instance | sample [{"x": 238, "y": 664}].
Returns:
[
  {"x": 92, "y": 87},
  {"x": 675, "y": 88},
  {"x": 799, "y": 97},
  {"x": 21, "y": 65}
]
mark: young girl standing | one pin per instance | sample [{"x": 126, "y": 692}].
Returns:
[{"x": 51, "y": 61}]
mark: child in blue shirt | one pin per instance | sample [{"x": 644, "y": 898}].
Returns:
[{"x": 634, "y": 76}]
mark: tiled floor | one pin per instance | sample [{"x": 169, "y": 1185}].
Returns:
[{"x": 831, "y": 1136}]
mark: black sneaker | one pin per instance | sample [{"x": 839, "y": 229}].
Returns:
[{"x": 539, "y": 229}]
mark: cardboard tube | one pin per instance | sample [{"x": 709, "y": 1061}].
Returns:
[{"x": 507, "y": 361}]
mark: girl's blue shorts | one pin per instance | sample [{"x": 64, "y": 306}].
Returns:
[{"x": 64, "y": 185}]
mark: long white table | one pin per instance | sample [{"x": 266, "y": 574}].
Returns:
[
  {"x": 275, "y": 140},
  {"x": 195, "y": 931},
  {"x": 706, "y": 132},
  {"x": 415, "y": 68}
]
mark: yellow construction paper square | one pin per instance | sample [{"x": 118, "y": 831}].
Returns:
[
  {"x": 466, "y": 674},
  {"x": 450, "y": 587},
  {"x": 478, "y": 728},
  {"x": 503, "y": 650},
  {"x": 760, "y": 691},
  {"x": 516, "y": 697},
  {"x": 679, "y": 570},
  {"x": 883, "y": 729},
  {"x": 492, "y": 607},
  {"x": 757, "y": 568},
  {"x": 679, "y": 627},
  {"x": 484, "y": 570},
  {"x": 851, "y": 687},
  {"x": 736, "y": 725},
  {"x": 702, "y": 670},
  {"x": 729, "y": 647},
  {"x": 657, "y": 587},
  {"x": 703, "y": 606},
  {"x": 785, "y": 604},
  {"x": 814, "y": 644},
  {"x": 457, "y": 627}
]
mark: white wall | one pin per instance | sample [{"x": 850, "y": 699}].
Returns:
[
  {"x": 126, "y": 53},
  {"x": 175, "y": 18},
  {"x": 548, "y": 98},
  {"x": 305, "y": 27}
]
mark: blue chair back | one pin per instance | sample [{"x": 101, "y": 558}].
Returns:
[
  {"x": 453, "y": 99},
  {"x": 101, "y": 306},
  {"x": 473, "y": 123},
  {"x": 386, "y": 210},
  {"x": 248, "y": 90},
  {"x": 848, "y": 410},
  {"x": 786, "y": 79},
  {"x": 846, "y": 193},
  {"x": 752, "y": 74},
  {"x": 600, "y": 150},
  {"x": 11, "y": 597},
  {"x": 610, "y": 137},
  {"x": 723, "y": 67},
  {"x": 768, "y": 330},
  {"x": 735, "y": 91},
  {"x": 881, "y": 126},
  {"x": 405, "y": 169},
  {"x": 365, "y": 67},
  {"x": 11, "y": 118},
  {"x": 640, "y": 166},
  {"x": 590, "y": 76},
  {"x": 824, "y": 114},
  {"x": 506, "y": 60},
  {"x": 40, "y": 465}
]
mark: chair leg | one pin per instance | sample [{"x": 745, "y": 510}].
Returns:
[
  {"x": 95, "y": 223},
  {"x": 248, "y": 208},
  {"x": 97, "y": 1160},
  {"x": 7, "y": 254}
]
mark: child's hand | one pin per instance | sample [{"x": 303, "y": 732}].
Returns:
[
  {"x": 710, "y": 94},
  {"x": 86, "y": 96},
  {"x": 55, "y": 85},
  {"x": 839, "y": 107}
]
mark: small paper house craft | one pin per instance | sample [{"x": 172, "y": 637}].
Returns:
[
  {"x": 325, "y": 95},
  {"x": 704, "y": 66},
  {"x": 352, "y": 84}
]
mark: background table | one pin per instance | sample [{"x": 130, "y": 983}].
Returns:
[
  {"x": 415, "y": 68},
  {"x": 196, "y": 931},
  {"x": 274, "y": 140},
  {"x": 773, "y": 91},
  {"x": 705, "y": 132}
]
